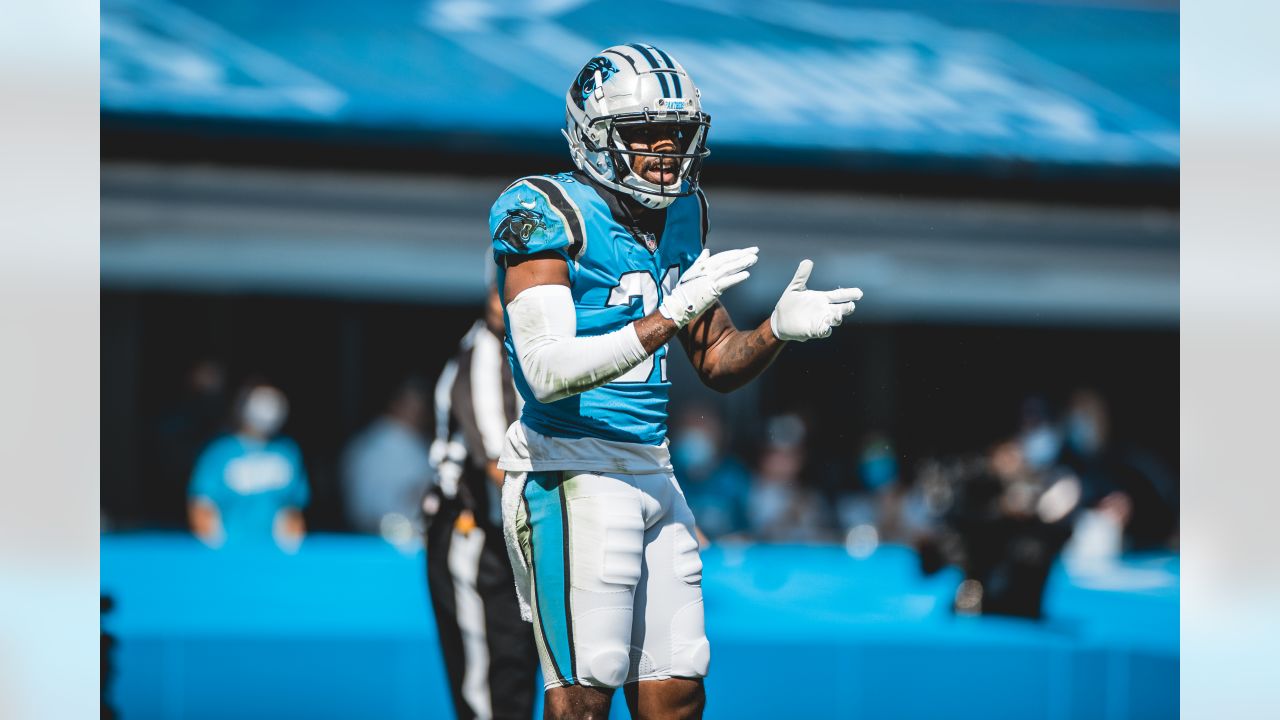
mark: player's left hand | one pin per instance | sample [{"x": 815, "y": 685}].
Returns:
[{"x": 804, "y": 314}]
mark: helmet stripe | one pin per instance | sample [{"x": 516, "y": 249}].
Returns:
[
  {"x": 654, "y": 65},
  {"x": 675, "y": 75},
  {"x": 665, "y": 57}
]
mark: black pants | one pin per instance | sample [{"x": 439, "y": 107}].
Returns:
[{"x": 489, "y": 650}]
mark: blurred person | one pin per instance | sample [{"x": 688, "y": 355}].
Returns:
[
  {"x": 489, "y": 650},
  {"x": 780, "y": 508},
  {"x": 599, "y": 269},
  {"x": 1040, "y": 439},
  {"x": 179, "y": 434},
  {"x": 888, "y": 506},
  {"x": 249, "y": 487},
  {"x": 1004, "y": 525},
  {"x": 386, "y": 468},
  {"x": 1129, "y": 496},
  {"x": 715, "y": 484},
  {"x": 1020, "y": 481},
  {"x": 861, "y": 502}
]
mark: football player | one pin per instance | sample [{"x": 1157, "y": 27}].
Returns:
[{"x": 600, "y": 268}]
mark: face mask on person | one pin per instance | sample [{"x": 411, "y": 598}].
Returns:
[
  {"x": 1040, "y": 446},
  {"x": 1082, "y": 433},
  {"x": 695, "y": 451},
  {"x": 877, "y": 469},
  {"x": 264, "y": 411}
]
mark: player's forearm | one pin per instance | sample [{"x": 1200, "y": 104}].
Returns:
[
  {"x": 739, "y": 357},
  {"x": 556, "y": 363},
  {"x": 575, "y": 365},
  {"x": 559, "y": 367},
  {"x": 654, "y": 331}
]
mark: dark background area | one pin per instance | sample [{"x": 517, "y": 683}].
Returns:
[
  {"x": 935, "y": 389},
  {"x": 319, "y": 147}
]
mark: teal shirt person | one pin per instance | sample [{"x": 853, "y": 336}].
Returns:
[{"x": 249, "y": 488}]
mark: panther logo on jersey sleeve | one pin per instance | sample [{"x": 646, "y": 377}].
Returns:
[{"x": 518, "y": 226}]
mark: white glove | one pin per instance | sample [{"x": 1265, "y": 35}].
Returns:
[
  {"x": 803, "y": 314},
  {"x": 708, "y": 277}
]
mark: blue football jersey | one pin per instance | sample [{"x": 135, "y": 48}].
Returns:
[
  {"x": 617, "y": 275},
  {"x": 250, "y": 481}
]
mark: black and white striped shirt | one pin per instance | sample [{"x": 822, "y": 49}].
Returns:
[{"x": 475, "y": 402}]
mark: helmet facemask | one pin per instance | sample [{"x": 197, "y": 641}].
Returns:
[{"x": 684, "y": 160}]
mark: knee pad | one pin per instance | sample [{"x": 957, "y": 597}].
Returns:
[{"x": 606, "y": 667}]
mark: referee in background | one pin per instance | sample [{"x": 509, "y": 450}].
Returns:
[{"x": 488, "y": 649}]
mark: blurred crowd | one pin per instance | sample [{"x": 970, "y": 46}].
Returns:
[
  {"x": 243, "y": 480},
  {"x": 1058, "y": 467}
]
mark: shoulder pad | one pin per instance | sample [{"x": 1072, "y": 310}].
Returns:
[{"x": 534, "y": 214}]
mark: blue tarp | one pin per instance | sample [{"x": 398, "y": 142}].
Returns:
[
  {"x": 343, "y": 630},
  {"x": 1062, "y": 84}
]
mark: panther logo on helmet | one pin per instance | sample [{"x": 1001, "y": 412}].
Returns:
[{"x": 585, "y": 84}]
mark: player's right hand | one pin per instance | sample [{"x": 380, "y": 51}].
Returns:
[{"x": 704, "y": 281}]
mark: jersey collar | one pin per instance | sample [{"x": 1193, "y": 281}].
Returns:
[{"x": 645, "y": 228}]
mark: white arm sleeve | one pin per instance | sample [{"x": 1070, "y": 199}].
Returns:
[{"x": 557, "y": 363}]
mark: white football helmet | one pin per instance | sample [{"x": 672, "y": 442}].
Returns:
[{"x": 627, "y": 87}]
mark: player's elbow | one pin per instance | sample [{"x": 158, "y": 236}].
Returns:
[
  {"x": 546, "y": 386},
  {"x": 720, "y": 382},
  {"x": 547, "y": 393},
  {"x": 725, "y": 387},
  {"x": 557, "y": 370}
]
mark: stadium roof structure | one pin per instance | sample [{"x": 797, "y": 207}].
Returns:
[
  {"x": 988, "y": 84},
  {"x": 422, "y": 239}
]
